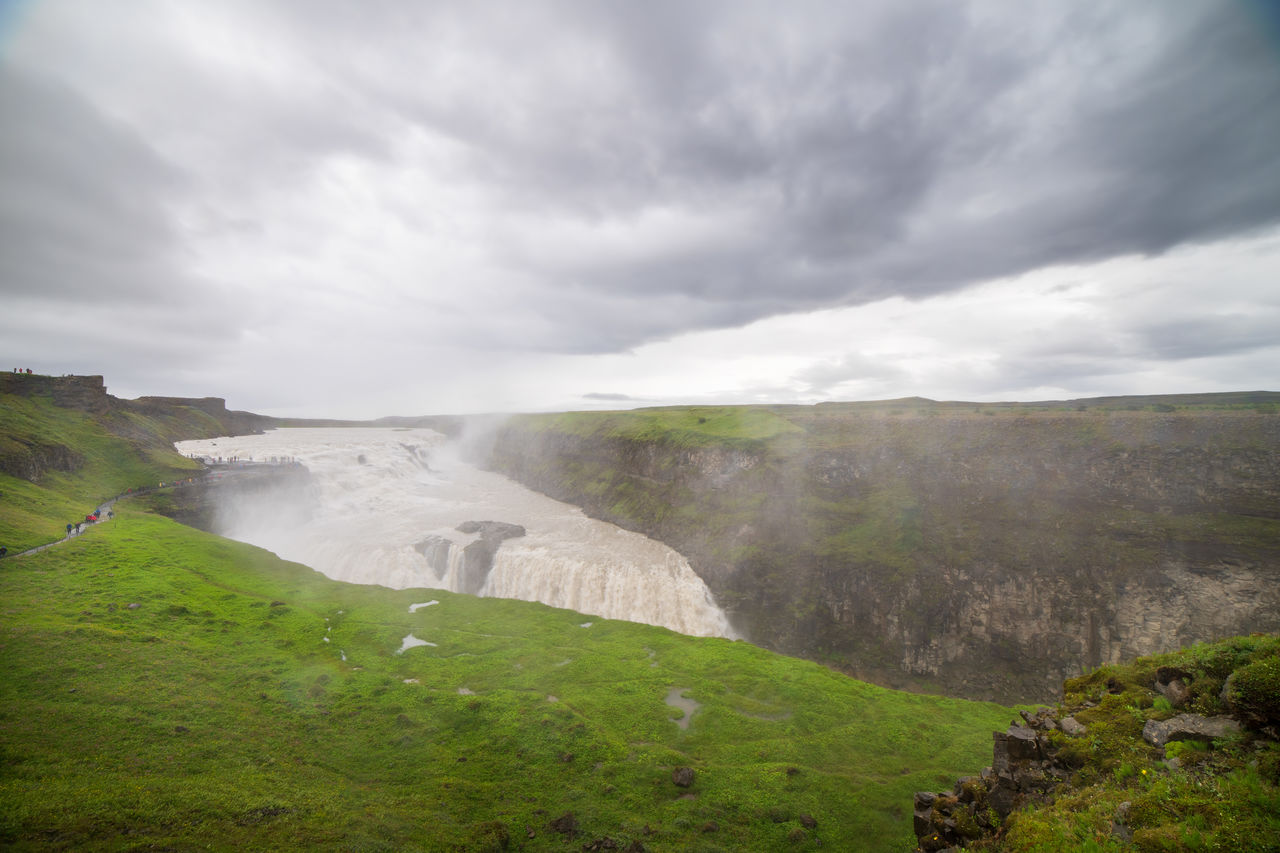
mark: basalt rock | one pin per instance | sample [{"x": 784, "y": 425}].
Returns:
[
  {"x": 1171, "y": 683},
  {"x": 682, "y": 777},
  {"x": 31, "y": 460},
  {"x": 1188, "y": 727},
  {"x": 436, "y": 551},
  {"x": 1023, "y": 769},
  {"x": 477, "y": 557}
]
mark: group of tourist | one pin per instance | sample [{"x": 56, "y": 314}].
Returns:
[
  {"x": 94, "y": 517},
  {"x": 26, "y": 370}
]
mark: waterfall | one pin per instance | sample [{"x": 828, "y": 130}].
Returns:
[{"x": 386, "y": 506}]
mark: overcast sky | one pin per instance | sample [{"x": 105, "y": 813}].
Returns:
[{"x": 328, "y": 208}]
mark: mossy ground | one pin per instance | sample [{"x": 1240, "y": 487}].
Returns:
[
  {"x": 247, "y": 702},
  {"x": 1221, "y": 795}
]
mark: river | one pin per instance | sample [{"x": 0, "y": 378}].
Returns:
[{"x": 378, "y": 493}]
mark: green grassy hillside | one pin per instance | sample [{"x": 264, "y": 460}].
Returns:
[
  {"x": 73, "y": 460},
  {"x": 162, "y": 688}
]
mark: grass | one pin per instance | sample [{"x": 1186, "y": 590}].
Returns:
[
  {"x": 101, "y": 465},
  {"x": 684, "y": 426},
  {"x": 162, "y": 688},
  {"x": 216, "y": 712}
]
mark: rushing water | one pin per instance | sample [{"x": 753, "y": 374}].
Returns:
[{"x": 380, "y": 492}]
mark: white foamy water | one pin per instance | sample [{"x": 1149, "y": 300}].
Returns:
[{"x": 378, "y": 492}]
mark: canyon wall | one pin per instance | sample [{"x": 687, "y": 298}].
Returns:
[
  {"x": 149, "y": 422},
  {"x": 981, "y": 551}
]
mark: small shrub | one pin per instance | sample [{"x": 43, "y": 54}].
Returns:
[
  {"x": 1185, "y": 748},
  {"x": 1125, "y": 772},
  {"x": 1255, "y": 692},
  {"x": 1269, "y": 764}
]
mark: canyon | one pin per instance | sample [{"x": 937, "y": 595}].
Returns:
[{"x": 981, "y": 550}]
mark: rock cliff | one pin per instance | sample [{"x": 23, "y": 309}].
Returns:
[
  {"x": 982, "y": 551},
  {"x": 147, "y": 421}
]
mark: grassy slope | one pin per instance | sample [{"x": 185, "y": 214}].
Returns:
[
  {"x": 687, "y": 426},
  {"x": 211, "y": 715},
  {"x": 35, "y": 513}
]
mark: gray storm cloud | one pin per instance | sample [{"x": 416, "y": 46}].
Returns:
[{"x": 579, "y": 178}]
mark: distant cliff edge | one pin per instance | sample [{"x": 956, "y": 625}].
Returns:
[
  {"x": 147, "y": 421},
  {"x": 988, "y": 551}
]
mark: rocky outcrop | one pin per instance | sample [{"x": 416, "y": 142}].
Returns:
[
  {"x": 1188, "y": 727},
  {"x": 477, "y": 557},
  {"x": 1023, "y": 770},
  {"x": 1124, "y": 740},
  {"x": 89, "y": 394},
  {"x": 435, "y": 550},
  {"x": 984, "y": 555},
  {"x": 85, "y": 393},
  {"x": 228, "y": 422},
  {"x": 31, "y": 460},
  {"x": 222, "y": 498}
]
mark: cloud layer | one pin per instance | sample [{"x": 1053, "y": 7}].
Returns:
[{"x": 457, "y": 206}]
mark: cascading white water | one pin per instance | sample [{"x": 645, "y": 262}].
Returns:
[{"x": 381, "y": 492}]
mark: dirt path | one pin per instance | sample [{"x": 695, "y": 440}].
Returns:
[{"x": 104, "y": 514}]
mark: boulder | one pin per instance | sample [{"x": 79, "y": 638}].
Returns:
[
  {"x": 566, "y": 824},
  {"x": 477, "y": 558},
  {"x": 1188, "y": 727},
  {"x": 1071, "y": 727},
  {"x": 1171, "y": 683},
  {"x": 1022, "y": 744}
]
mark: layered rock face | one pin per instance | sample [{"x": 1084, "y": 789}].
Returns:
[
  {"x": 169, "y": 419},
  {"x": 983, "y": 555},
  {"x": 86, "y": 393}
]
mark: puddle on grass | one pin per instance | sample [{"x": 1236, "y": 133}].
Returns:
[
  {"x": 466, "y": 691},
  {"x": 414, "y": 608},
  {"x": 677, "y": 699},
  {"x": 410, "y": 642},
  {"x": 586, "y": 625}
]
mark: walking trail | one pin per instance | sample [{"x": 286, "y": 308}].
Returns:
[{"x": 101, "y": 512}]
